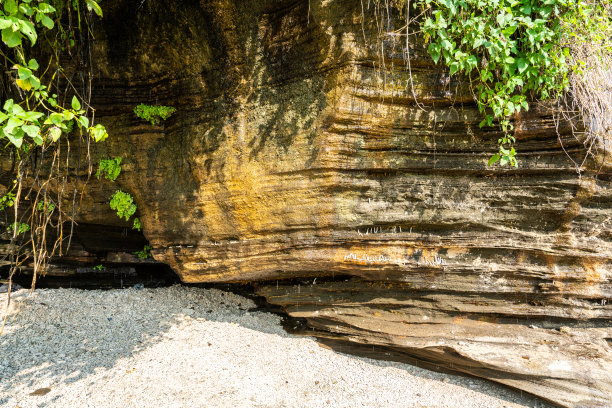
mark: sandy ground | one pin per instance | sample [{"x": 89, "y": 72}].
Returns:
[{"x": 191, "y": 347}]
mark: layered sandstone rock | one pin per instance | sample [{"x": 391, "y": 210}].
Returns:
[{"x": 303, "y": 147}]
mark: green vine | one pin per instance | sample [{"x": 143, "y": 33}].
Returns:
[
  {"x": 37, "y": 116},
  {"x": 513, "y": 51},
  {"x": 48, "y": 208},
  {"x": 18, "y": 228}
]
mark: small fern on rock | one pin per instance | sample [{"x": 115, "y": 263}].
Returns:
[
  {"x": 154, "y": 114},
  {"x": 109, "y": 168},
  {"x": 123, "y": 203}
]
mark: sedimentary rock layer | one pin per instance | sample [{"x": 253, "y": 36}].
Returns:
[
  {"x": 548, "y": 345},
  {"x": 303, "y": 146}
]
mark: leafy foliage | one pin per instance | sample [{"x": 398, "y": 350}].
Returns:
[
  {"x": 35, "y": 114},
  {"x": 137, "y": 225},
  {"x": 7, "y": 200},
  {"x": 39, "y": 116},
  {"x": 123, "y": 203},
  {"x": 18, "y": 228},
  {"x": 144, "y": 253},
  {"x": 50, "y": 207},
  {"x": 153, "y": 114},
  {"x": 110, "y": 168},
  {"x": 512, "y": 51}
]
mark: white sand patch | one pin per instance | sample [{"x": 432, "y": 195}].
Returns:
[{"x": 191, "y": 347}]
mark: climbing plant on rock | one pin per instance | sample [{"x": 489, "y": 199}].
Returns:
[{"x": 513, "y": 51}]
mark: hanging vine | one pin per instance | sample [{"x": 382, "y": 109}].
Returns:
[
  {"x": 514, "y": 52},
  {"x": 46, "y": 124}
]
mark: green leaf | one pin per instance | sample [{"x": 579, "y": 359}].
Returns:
[
  {"x": 486, "y": 75},
  {"x": 28, "y": 29},
  {"x": 454, "y": 67},
  {"x": 11, "y": 38},
  {"x": 47, "y": 22},
  {"x": 429, "y": 24},
  {"x": 508, "y": 31},
  {"x": 55, "y": 133},
  {"x": 16, "y": 138},
  {"x": 92, "y": 5},
  {"x": 76, "y": 105},
  {"x": 46, "y": 8},
  {"x": 8, "y": 105},
  {"x": 434, "y": 51},
  {"x": 31, "y": 130},
  {"x": 35, "y": 82},
  {"x": 38, "y": 140},
  {"x": 25, "y": 9},
  {"x": 12, "y": 123},
  {"x": 55, "y": 118},
  {"x": 504, "y": 160},
  {"x": 5, "y": 23},
  {"x": 17, "y": 110},
  {"x": 10, "y": 7},
  {"x": 32, "y": 116},
  {"x": 493, "y": 160},
  {"x": 472, "y": 61},
  {"x": 84, "y": 121},
  {"x": 33, "y": 64},
  {"x": 522, "y": 65},
  {"x": 24, "y": 73},
  {"x": 98, "y": 133}
]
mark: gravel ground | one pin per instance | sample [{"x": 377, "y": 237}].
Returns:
[{"x": 191, "y": 347}]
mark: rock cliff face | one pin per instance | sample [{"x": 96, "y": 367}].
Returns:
[{"x": 303, "y": 147}]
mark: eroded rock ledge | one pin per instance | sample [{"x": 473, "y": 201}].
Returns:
[
  {"x": 295, "y": 153},
  {"x": 553, "y": 347}
]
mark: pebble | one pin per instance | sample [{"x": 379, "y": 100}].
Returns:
[{"x": 193, "y": 347}]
